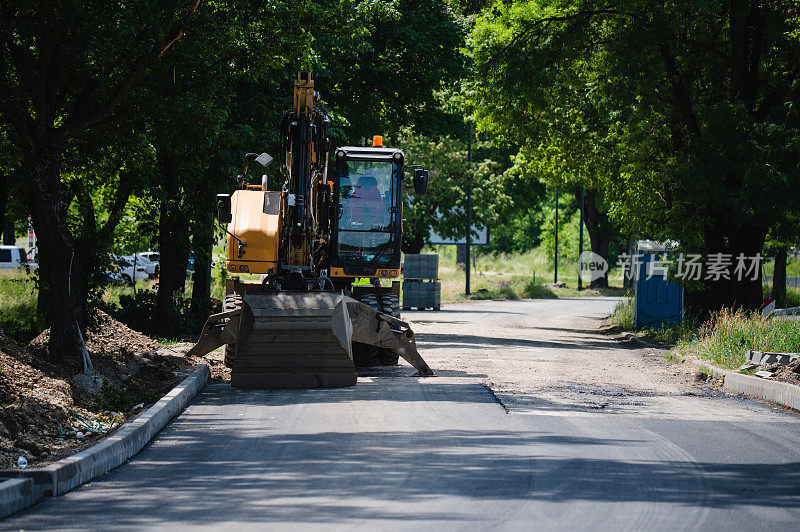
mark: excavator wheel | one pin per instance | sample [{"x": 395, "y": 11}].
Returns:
[
  {"x": 390, "y": 304},
  {"x": 232, "y": 301},
  {"x": 365, "y": 355}
]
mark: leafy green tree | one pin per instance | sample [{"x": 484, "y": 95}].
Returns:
[
  {"x": 686, "y": 113},
  {"x": 65, "y": 70},
  {"x": 443, "y": 208}
]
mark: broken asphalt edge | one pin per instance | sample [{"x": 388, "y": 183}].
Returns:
[
  {"x": 25, "y": 487},
  {"x": 733, "y": 382}
]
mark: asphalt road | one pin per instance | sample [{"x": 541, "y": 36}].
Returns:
[{"x": 536, "y": 447}]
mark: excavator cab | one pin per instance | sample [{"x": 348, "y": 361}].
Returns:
[{"x": 367, "y": 232}]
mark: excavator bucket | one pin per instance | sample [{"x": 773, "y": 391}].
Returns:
[
  {"x": 294, "y": 340},
  {"x": 302, "y": 339}
]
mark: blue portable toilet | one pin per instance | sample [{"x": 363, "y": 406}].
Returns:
[{"x": 658, "y": 301}]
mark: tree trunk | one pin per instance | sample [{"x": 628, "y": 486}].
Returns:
[
  {"x": 597, "y": 225},
  {"x": 203, "y": 241},
  {"x": 628, "y": 274},
  {"x": 9, "y": 235},
  {"x": 61, "y": 302},
  {"x": 779, "y": 276},
  {"x": 743, "y": 293},
  {"x": 6, "y": 223},
  {"x": 173, "y": 239}
]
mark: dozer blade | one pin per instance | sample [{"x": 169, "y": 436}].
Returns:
[
  {"x": 294, "y": 340},
  {"x": 375, "y": 328}
]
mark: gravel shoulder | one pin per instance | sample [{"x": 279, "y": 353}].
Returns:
[{"x": 542, "y": 355}]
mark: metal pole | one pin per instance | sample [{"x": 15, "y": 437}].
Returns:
[
  {"x": 580, "y": 240},
  {"x": 555, "y": 255},
  {"x": 134, "y": 274},
  {"x": 469, "y": 201}
]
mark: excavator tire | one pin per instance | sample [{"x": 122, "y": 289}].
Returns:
[
  {"x": 390, "y": 304},
  {"x": 232, "y": 301},
  {"x": 364, "y": 355}
]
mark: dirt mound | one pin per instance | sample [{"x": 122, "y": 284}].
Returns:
[
  {"x": 42, "y": 408},
  {"x": 106, "y": 336},
  {"x": 37, "y": 411}
]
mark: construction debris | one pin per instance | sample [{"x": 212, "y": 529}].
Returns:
[{"x": 47, "y": 412}]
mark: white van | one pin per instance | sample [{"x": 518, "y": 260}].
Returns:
[{"x": 16, "y": 258}]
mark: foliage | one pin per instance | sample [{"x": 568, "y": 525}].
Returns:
[
  {"x": 568, "y": 230},
  {"x": 685, "y": 118},
  {"x": 443, "y": 207},
  {"x": 726, "y": 338}
]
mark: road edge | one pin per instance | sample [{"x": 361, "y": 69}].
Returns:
[
  {"x": 782, "y": 393},
  {"x": 69, "y": 473}
]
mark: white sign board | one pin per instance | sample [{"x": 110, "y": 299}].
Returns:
[{"x": 480, "y": 237}]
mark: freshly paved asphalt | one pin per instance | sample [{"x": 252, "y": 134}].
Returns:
[{"x": 402, "y": 453}]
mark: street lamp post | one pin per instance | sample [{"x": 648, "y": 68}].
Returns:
[
  {"x": 469, "y": 202},
  {"x": 580, "y": 240},
  {"x": 555, "y": 255}
]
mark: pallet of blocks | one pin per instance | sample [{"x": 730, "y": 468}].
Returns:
[{"x": 421, "y": 287}]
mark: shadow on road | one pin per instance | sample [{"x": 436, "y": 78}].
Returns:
[
  {"x": 209, "y": 472},
  {"x": 471, "y": 342}
]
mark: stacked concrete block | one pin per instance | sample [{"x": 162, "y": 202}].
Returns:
[{"x": 421, "y": 286}]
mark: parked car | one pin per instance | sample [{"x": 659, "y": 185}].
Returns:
[
  {"x": 152, "y": 256},
  {"x": 144, "y": 262},
  {"x": 16, "y": 258},
  {"x": 127, "y": 271},
  {"x": 113, "y": 278}
]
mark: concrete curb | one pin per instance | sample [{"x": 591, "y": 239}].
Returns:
[
  {"x": 79, "y": 468},
  {"x": 782, "y": 393},
  {"x": 15, "y": 494}
]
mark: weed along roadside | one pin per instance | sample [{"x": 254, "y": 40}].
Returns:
[{"x": 733, "y": 347}]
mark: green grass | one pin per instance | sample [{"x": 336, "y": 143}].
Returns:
[
  {"x": 18, "y": 307},
  {"x": 792, "y": 297},
  {"x": 623, "y": 316},
  {"x": 792, "y": 267},
  {"x": 726, "y": 338}
]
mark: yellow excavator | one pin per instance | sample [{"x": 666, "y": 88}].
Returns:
[{"x": 307, "y": 323}]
